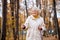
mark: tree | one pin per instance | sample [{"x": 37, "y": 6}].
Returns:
[
  {"x": 56, "y": 24},
  {"x": 26, "y": 8},
  {"x": 17, "y": 19},
  {"x": 37, "y": 2},
  {"x": 0, "y": 22},
  {"x": 12, "y": 4},
  {"x": 4, "y": 5}
]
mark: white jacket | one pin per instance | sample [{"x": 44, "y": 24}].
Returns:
[{"x": 32, "y": 24}]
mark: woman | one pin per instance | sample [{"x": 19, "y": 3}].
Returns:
[{"x": 34, "y": 25}]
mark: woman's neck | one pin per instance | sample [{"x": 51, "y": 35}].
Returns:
[{"x": 36, "y": 16}]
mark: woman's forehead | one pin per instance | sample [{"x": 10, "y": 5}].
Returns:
[{"x": 34, "y": 10}]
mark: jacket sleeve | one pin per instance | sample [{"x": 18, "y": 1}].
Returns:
[
  {"x": 43, "y": 25},
  {"x": 27, "y": 22}
]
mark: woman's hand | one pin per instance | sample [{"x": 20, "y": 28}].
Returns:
[
  {"x": 39, "y": 28},
  {"x": 23, "y": 26}
]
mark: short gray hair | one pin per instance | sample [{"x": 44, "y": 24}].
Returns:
[{"x": 36, "y": 8}]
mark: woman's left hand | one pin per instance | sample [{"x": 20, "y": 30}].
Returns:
[{"x": 39, "y": 28}]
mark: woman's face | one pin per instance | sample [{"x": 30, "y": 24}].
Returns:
[{"x": 34, "y": 12}]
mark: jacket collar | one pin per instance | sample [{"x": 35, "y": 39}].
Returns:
[{"x": 34, "y": 17}]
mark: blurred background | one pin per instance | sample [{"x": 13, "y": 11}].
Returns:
[{"x": 13, "y": 14}]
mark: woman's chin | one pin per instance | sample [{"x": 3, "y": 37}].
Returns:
[{"x": 34, "y": 15}]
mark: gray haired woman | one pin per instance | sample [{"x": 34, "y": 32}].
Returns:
[{"x": 34, "y": 25}]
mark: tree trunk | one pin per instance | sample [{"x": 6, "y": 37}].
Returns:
[
  {"x": 4, "y": 2},
  {"x": 17, "y": 19},
  {"x": 12, "y": 4},
  {"x": 37, "y": 2},
  {"x": 26, "y": 8},
  {"x": 56, "y": 20}
]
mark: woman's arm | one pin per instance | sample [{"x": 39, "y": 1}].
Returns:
[
  {"x": 42, "y": 26},
  {"x": 25, "y": 25}
]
